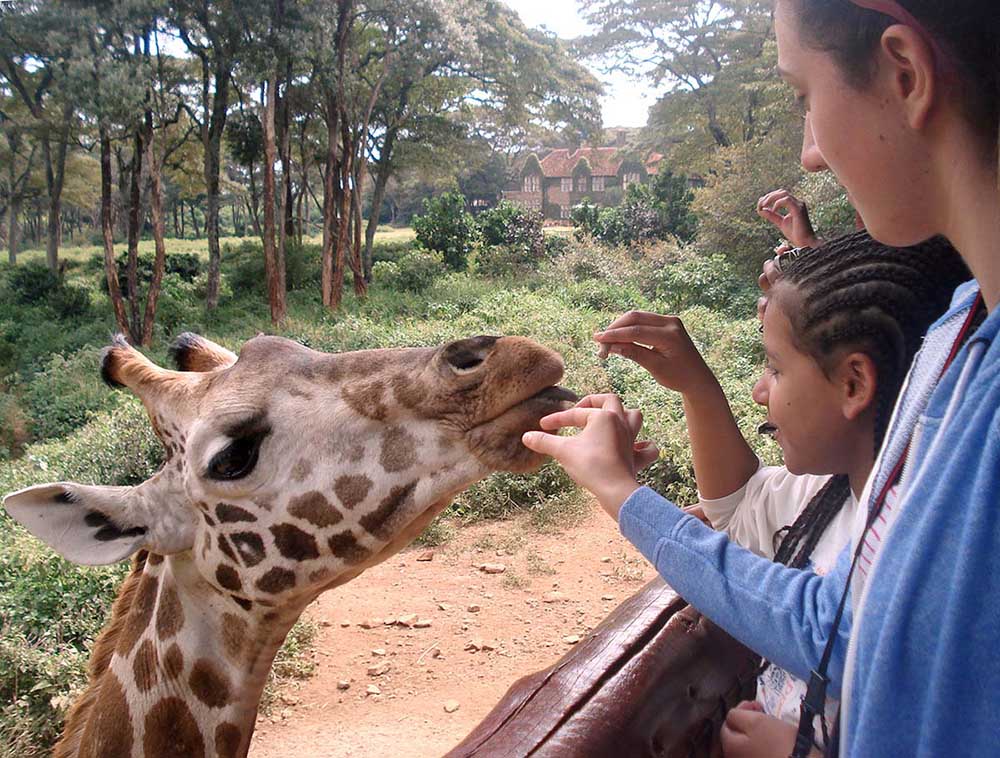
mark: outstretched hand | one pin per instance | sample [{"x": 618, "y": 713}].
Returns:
[
  {"x": 662, "y": 346},
  {"x": 603, "y": 457}
]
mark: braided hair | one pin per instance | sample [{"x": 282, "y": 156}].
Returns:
[{"x": 854, "y": 294}]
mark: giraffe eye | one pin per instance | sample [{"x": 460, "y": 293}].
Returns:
[{"x": 237, "y": 460}]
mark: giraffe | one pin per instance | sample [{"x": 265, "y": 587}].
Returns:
[{"x": 288, "y": 472}]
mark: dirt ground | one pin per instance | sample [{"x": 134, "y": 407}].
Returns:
[{"x": 430, "y": 635}]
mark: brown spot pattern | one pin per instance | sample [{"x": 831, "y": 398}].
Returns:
[
  {"x": 144, "y": 666},
  {"x": 234, "y": 635},
  {"x": 345, "y": 546},
  {"x": 293, "y": 543},
  {"x": 140, "y": 615},
  {"x": 169, "y": 614},
  {"x": 154, "y": 559},
  {"x": 314, "y": 508},
  {"x": 399, "y": 450},
  {"x": 301, "y": 470},
  {"x": 109, "y": 729},
  {"x": 250, "y": 547},
  {"x": 383, "y": 522},
  {"x": 408, "y": 393},
  {"x": 226, "y": 549},
  {"x": 227, "y": 740},
  {"x": 232, "y": 514},
  {"x": 171, "y": 730},
  {"x": 276, "y": 580},
  {"x": 352, "y": 453},
  {"x": 242, "y": 602},
  {"x": 227, "y": 578},
  {"x": 173, "y": 662},
  {"x": 352, "y": 490},
  {"x": 208, "y": 684},
  {"x": 367, "y": 400}
]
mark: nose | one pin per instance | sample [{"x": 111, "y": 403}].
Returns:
[
  {"x": 811, "y": 158},
  {"x": 467, "y": 355},
  {"x": 760, "y": 391}
]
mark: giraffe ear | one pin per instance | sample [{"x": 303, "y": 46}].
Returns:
[{"x": 93, "y": 526}]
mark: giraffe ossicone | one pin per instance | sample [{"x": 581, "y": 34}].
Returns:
[{"x": 288, "y": 472}]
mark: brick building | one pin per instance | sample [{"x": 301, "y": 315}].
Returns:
[{"x": 553, "y": 184}]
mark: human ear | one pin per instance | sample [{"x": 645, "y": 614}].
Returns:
[
  {"x": 857, "y": 379},
  {"x": 911, "y": 67}
]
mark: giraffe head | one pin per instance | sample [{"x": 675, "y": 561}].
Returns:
[{"x": 289, "y": 470}]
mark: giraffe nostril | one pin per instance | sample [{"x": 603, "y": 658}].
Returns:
[{"x": 467, "y": 355}]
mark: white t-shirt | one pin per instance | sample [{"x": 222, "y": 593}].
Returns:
[{"x": 771, "y": 499}]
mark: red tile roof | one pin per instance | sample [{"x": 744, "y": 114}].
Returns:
[{"x": 604, "y": 161}]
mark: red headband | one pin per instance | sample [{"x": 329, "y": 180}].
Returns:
[{"x": 898, "y": 13}]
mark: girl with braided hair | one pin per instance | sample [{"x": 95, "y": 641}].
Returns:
[{"x": 902, "y": 102}]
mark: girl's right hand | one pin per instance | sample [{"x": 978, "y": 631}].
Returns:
[
  {"x": 790, "y": 216},
  {"x": 670, "y": 357}
]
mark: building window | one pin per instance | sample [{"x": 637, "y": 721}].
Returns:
[
  {"x": 597, "y": 184},
  {"x": 564, "y": 212},
  {"x": 531, "y": 184},
  {"x": 566, "y": 184},
  {"x": 581, "y": 184},
  {"x": 630, "y": 178}
]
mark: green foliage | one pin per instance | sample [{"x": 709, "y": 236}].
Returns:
[
  {"x": 709, "y": 281},
  {"x": 31, "y": 283},
  {"x": 448, "y": 228},
  {"x": 415, "y": 271},
  {"x": 187, "y": 266},
  {"x": 512, "y": 225},
  {"x": 391, "y": 250},
  {"x": 245, "y": 269}
]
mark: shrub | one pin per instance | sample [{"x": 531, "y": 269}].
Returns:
[
  {"x": 187, "y": 266},
  {"x": 391, "y": 250},
  {"x": 69, "y": 301},
  {"x": 246, "y": 271},
  {"x": 710, "y": 281},
  {"x": 511, "y": 225},
  {"x": 448, "y": 228},
  {"x": 31, "y": 283},
  {"x": 413, "y": 272}
]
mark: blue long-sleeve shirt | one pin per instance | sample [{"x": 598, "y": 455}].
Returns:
[{"x": 923, "y": 671}]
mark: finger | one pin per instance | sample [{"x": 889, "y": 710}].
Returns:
[
  {"x": 761, "y": 307},
  {"x": 771, "y": 271},
  {"x": 768, "y": 215},
  {"x": 633, "y": 418},
  {"x": 546, "y": 444},
  {"x": 607, "y": 401},
  {"x": 574, "y": 417},
  {"x": 787, "y": 206},
  {"x": 783, "y": 248},
  {"x": 661, "y": 335},
  {"x": 651, "y": 360},
  {"x": 750, "y": 705},
  {"x": 635, "y": 318},
  {"x": 741, "y": 720},
  {"x": 767, "y": 200},
  {"x": 646, "y": 454},
  {"x": 698, "y": 512}
]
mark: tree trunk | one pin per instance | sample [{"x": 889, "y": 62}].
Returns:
[
  {"x": 331, "y": 172},
  {"x": 275, "y": 297},
  {"x": 134, "y": 219},
  {"x": 107, "y": 228},
  {"x": 213, "y": 167},
  {"x": 254, "y": 203},
  {"x": 382, "y": 173},
  {"x": 156, "y": 212},
  {"x": 194, "y": 222},
  {"x": 181, "y": 214},
  {"x": 13, "y": 212},
  {"x": 357, "y": 268}
]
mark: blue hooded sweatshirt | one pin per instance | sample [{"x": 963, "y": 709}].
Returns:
[{"x": 924, "y": 663}]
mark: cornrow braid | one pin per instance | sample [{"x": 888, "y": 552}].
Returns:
[{"x": 856, "y": 294}]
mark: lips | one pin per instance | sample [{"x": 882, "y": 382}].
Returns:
[{"x": 557, "y": 395}]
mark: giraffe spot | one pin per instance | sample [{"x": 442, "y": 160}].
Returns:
[
  {"x": 144, "y": 666},
  {"x": 345, "y": 546},
  {"x": 109, "y": 728},
  {"x": 208, "y": 684},
  {"x": 366, "y": 399},
  {"x": 250, "y": 547},
  {"x": 201, "y": 505},
  {"x": 234, "y": 635},
  {"x": 154, "y": 559},
  {"x": 352, "y": 490},
  {"x": 208, "y": 519},
  {"x": 140, "y": 615},
  {"x": 108, "y": 530},
  {"x": 301, "y": 470},
  {"x": 319, "y": 576},
  {"x": 351, "y": 453},
  {"x": 408, "y": 393},
  {"x": 242, "y": 602},
  {"x": 315, "y": 508},
  {"x": 264, "y": 505},
  {"x": 227, "y": 741},
  {"x": 399, "y": 450},
  {"x": 173, "y": 662},
  {"x": 299, "y": 392},
  {"x": 169, "y": 614},
  {"x": 171, "y": 730},
  {"x": 383, "y": 522},
  {"x": 227, "y": 578},
  {"x": 293, "y": 543},
  {"x": 231, "y": 514},
  {"x": 276, "y": 580},
  {"x": 226, "y": 549},
  {"x": 271, "y": 616}
]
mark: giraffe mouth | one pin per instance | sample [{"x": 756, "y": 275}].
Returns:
[{"x": 557, "y": 395}]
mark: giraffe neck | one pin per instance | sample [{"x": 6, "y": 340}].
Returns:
[{"x": 186, "y": 675}]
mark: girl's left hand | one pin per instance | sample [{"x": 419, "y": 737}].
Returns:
[
  {"x": 602, "y": 457},
  {"x": 748, "y": 732}
]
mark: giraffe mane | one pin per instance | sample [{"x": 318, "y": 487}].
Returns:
[{"x": 100, "y": 659}]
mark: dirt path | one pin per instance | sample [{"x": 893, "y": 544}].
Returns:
[{"x": 485, "y": 631}]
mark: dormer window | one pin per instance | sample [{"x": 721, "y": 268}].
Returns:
[
  {"x": 532, "y": 183},
  {"x": 566, "y": 184},
  {"x": 581, "y": 184},
  {"x": 597, "y": 184}
]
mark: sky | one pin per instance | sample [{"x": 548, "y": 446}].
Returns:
[{"x": 626, "y": 101}]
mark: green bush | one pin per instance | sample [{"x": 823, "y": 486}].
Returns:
[
  {"x": 65, "y": 393},
  {"x": 510, "y": 225},
  {"x": 710, "y": 281},
  {"x": 31, "y": 283},
  {"x": 244, "y": 266},
  {"x": 413, "y": 272},
  {"x": 391, "y": 250},
  {"x": 448, "y": 228},
  {"x": 187, "y": 266}
]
